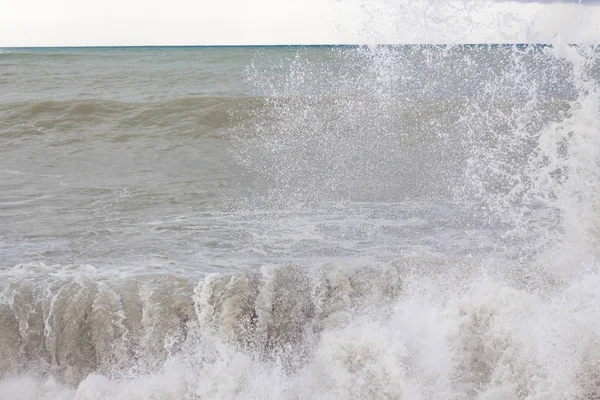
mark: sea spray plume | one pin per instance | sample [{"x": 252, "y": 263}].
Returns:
[
  {"x": 538, "y": 173},
  {"x": 355, "y": 124},
  {"x": 409, "y": 122},
  {"x": 439, "y": 22},
  {"x": 569, "y": 160}
]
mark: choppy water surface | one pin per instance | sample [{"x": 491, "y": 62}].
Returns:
[{"x": 293, "y": 223}]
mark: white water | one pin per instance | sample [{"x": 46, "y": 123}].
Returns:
[{"x": 411, "y": 331}]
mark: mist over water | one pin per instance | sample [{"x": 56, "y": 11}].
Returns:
[{"x": 384, "y": 222}]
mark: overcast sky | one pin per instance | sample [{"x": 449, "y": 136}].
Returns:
[{"x": 190, "y": 22}]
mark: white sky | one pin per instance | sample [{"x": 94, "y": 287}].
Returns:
[{"x": 190, "y": 22}]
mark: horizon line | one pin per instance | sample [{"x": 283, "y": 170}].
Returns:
[{"x": 272, "y": 45}]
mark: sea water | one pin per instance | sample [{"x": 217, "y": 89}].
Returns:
[{"x": 348, "y": 222}]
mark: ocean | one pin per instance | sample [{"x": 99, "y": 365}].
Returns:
[{"x": 288, "y": 222}]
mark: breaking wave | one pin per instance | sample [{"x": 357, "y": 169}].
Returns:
[{"x": 413, "y": 329}]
